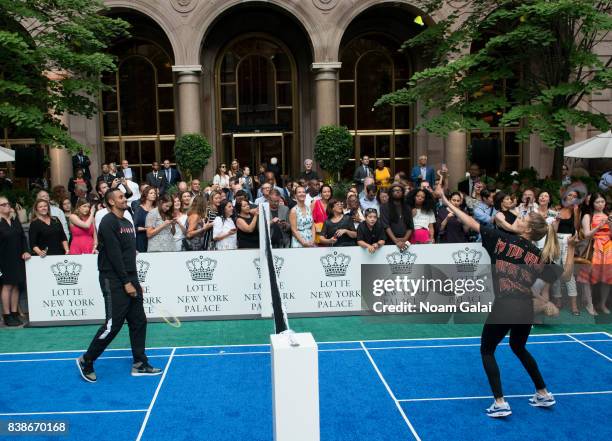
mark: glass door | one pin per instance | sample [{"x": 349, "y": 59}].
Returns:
[{"x": 253, "y": 149}]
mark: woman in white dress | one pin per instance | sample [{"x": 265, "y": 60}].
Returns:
[
  {"x": 221, "y": 177},
  {"x": 181, "y": 203},
  {"x": 161, "y": 226},
  {"x": 224, "y": 228},
  {"x": 300, "y": 219}
]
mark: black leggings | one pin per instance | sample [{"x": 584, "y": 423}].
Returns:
[{"x": 492, "y": 335}]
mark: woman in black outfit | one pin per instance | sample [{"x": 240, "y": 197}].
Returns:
[
  {"x": 13, "y": 253},
  {"x": 450, "y": 230},
  {"x": 396, "y": 218},
  {"x": 506, "y": 213},
  {"x": 513, "y": 306},
  {"x": 567, "y": 223},
  {"x": 246, "y": 224},
  {"x": 338, "y": 229},
  {"x": 47, "y": 237}
]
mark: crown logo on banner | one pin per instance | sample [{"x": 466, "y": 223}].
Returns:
[
  {"x": 467, "y": 260},
  {"x": 278, "y": 265},
  {"x": 401, "y": 262},
  {"x": 142, "y": 267},
  {"x": 335, "y": 264},
  {"x": 66, "y": 273},
  {"x": 201, "y": 268}
]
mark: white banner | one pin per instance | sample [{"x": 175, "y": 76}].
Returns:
[{"x": 225, "y": 284}]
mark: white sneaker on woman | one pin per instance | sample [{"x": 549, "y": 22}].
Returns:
[
  {"x": 542, "y": 400},
  {"x": 499, "y": 410}
]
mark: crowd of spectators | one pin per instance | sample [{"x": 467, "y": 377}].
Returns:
[{"x": 170, "y": 215}]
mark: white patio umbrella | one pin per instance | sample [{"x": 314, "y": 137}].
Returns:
[
  {"x": 599, "y": 146},
  {"x": 6, "y": 155}
]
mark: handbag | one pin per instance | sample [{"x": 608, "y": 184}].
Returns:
[
  {"x": 584, "y": 252},
  {"x": 196, "y": 243},
  {"x": 318, "y": 229}
]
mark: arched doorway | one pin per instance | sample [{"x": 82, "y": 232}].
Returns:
[
  {"x": 372, "y": 66},
  {"x": 138, "y": 120},
  {"x": 257, "y": 100}
]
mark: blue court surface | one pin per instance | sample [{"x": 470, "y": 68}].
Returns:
[{"x": 428, "y": 389}]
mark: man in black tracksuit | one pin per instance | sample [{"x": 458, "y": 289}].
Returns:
[{"x": 122, "y": 292}]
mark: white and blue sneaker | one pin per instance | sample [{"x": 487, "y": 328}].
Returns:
[
  {"x": 499, "y": 410},
  {"x": 542, "y": 400}
]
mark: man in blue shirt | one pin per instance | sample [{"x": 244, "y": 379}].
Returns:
[
  {"x": 423, "y": 172},
  {"x": 370, "y": 201},
  {"x": 484, "y": 211}
]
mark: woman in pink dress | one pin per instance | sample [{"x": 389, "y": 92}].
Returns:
[
  {"x": 596, "y": 226},
  {"x": 82, "y": 228},
  {"x": 319, "y": 210}
]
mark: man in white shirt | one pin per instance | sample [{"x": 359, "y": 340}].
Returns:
[
  {"x": 313, "y": 191},
  {"x": 104, "y": 211},
  {"x": 102, "y": 189},
  {"x": 55, "y": 211},
  {"x": 265, "y": 194},
  {"x": 366, "y": 183},
  {"x": 127, "y": 171},
  {"x": 134, "y": 188},
  {"x": 370, "y": 201}
]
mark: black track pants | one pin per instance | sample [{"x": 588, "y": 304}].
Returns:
[{"x": 120, "y": 307}]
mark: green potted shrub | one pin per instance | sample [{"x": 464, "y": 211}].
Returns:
[
  {"x": 333, "y": 148},
  {"x": 192, "y": 152}
]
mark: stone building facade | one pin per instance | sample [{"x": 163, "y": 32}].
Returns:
[{"x": 258, "y": 79}]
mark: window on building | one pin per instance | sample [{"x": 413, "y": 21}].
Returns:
[
  {"x": 372, "y": 67},
  {"x": 257, "y": 97},
  {"x": 138, "y": 114},
  {"x": 498, "y": 149}
]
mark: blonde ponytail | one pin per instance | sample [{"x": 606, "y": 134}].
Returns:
[
  {"x": 551, "y": 250},
  {"x": 540, "y": 228}
]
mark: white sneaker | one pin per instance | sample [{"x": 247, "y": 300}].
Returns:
[
  {"x": 499, "y": 410},
  {"x": 542, "y": 400}
]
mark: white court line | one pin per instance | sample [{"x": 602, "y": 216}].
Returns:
[
  {"x": 472, "y": 345},
  {"x": 220, "y": 354},
  {"x": 384, "y": 348},
  {"x": 556, "y": 394},
  {"x": 25, "y": 360},
  {"x": 397, "y": 404},
  {"x": 72, "y": 412},
  {"x": 591, "y": 348},
  {"x": 321, "y": 342},
  {"x": 159, "y": 385}
]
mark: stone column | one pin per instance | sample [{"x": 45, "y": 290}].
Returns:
[
  {"x": 60, "y": 161},
  {"x": 188, "y": 84},
  {"x": 456, "y": 154},
  {"x": 326, "y": 89}
]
